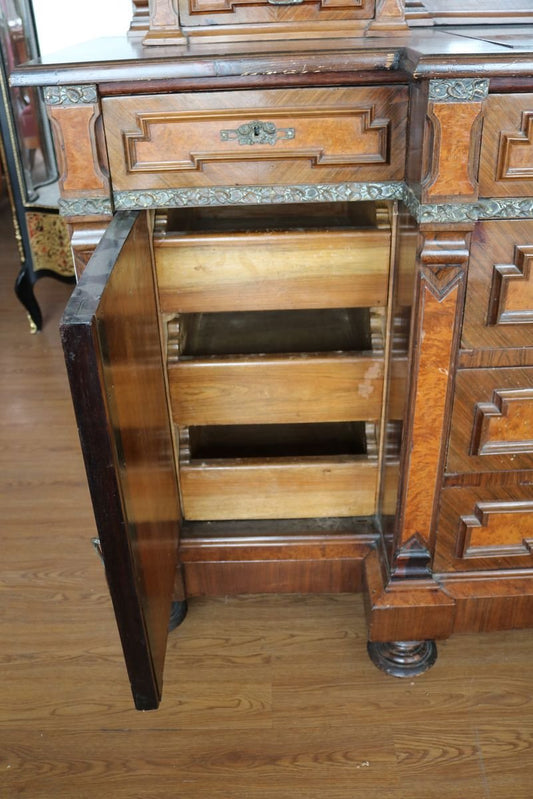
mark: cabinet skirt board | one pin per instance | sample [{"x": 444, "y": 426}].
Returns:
[{"x": 290, "y": 555}]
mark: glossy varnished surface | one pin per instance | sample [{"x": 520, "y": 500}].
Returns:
[{"x": 428, "y": 52}]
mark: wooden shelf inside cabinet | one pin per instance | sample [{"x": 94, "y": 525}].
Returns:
[
  {"x": 271, "y": 379},
  {"x": 278, "y": 471}
]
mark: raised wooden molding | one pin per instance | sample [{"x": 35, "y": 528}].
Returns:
[
  {"x": 389, "y": 18},
  {"x": 213, "y": 6},
  {"x": 515, "y": 154},
  {"x": 495, "y": 529},
  {"x": 511, "y": 298},
  {"x": 500, "y": 425},
  {"x": 413, "y": 561},
  {"x": 145, "y": 149},
  {"x": 164, "y": 26}
]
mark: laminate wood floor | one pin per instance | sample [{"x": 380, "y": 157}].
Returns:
[{"x": 266, "y": 697}]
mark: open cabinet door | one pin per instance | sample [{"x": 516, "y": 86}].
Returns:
[{"x": 112, "y": 347}]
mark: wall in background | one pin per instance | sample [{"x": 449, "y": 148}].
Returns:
[{"x": 62, "y": 23}]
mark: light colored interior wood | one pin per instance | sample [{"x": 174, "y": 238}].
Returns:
[
  {"x": 279, "y": 488},
  {"x": 262, "y": 390},
  {"x": 263, "y": 271}
]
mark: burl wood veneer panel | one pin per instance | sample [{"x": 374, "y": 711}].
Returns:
[
  {"x": 492, "y": 421},
  {"x": 80, "y": 151},
  {"x": 256, "y": 137},
  {"x": 451, "y": 152},
  {"x": 486, "y": 527},
  {"x": 264, "y": 271},
  {"x": 499, "y": 299},
  {"x": 507, "y": 147}
]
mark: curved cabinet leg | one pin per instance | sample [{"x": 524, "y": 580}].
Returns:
[
  {"x": 403, "y": 658},
  {"x": 178, "y": 611},
  {"x": 24, "y": 291}
]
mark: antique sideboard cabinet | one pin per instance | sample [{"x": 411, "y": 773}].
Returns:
[{"x": 300, "y": 346}]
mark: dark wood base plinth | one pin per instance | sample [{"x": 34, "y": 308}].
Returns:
[{"x": 403, "y": 658}]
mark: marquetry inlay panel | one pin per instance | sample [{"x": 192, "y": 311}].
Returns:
[
  {"x": 512, "y": 289},
  {"x": 504, "y": 426},
  {"x": 254, "y": 138},
  {"x": 507, "y": 146},
  {"x": 515, "y": 160},
  {"x": 485, "y": 527},
  {"x": 495, "y": 528},
  {"x": 492, "y": 421},
  {"x": 499, "y": 300}
]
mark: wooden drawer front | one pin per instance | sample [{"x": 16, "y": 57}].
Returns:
[
  {"x": 262, "y": 271},
  {"x": 293, "y": 136},
  {"x": 507, "y": 146},
  {"x": 270, "y": 389},
  {"x": 489, "y": 527},
  {"x": 499, "y": 299},
  {"x": 279, "y": 488},
  {"x": 200, "y": 12},
  {"x": 492, "y": 421}
]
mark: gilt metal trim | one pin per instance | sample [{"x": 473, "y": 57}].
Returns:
[
  {"x": 458, "y": 90},
  {"x": 452, "y": 213},
  {"x": 506, "y": 208},
  {"x": 86, "y": 206},
  {"x": 70, "y": 95},
  {"x": 257, "y": 195},
  {"x": 257, "y": 132},
  {"x": 437, "y": 213}
]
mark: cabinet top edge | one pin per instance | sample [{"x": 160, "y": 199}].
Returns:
[{"x": 423, "y": 53}]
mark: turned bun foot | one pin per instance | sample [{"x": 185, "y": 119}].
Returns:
[
  {"x": 403, "y": 658},
  {"x": 178, "y": 611}
]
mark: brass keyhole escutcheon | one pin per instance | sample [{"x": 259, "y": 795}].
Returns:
[{"x": 257, "y": 132}]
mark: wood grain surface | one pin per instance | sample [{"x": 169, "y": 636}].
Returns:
[
  {"x": 265, "y": 697},
  {"x": 261, "y": 271},
  {"x": 322, "y": 135}
]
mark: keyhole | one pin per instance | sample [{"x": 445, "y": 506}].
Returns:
[{"x": 256, "y": 131}]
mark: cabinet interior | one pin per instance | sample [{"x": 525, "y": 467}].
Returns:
[{"x": 282, "y": 390}]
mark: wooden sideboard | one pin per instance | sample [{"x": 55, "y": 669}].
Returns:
[{"x": 301, "y": 355}]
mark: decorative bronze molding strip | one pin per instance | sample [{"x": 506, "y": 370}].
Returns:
[
  {"x": 257, "y": 195},
  {"x": 443, "y": 213},
  {"x": 506, "y": 208},
  {"x": 70, "y": 95},
  {"x": 458, "y": 90},
  {"x": 86, "y": 206},
  {"x": 451, "y": 213}
]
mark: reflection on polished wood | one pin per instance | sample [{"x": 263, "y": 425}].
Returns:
[{"x": 265, "y": 697}]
